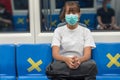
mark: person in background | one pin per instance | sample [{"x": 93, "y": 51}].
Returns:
[
  {"x": 71, "y": 48},
  {"x": 43, "y": 23},
  {"x": 106, "y": 17},
  {"x": 43, "y": 28},
  {"x": 5, "y": 19}
]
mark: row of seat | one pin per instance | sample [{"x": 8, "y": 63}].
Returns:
[
  {"x": 29, "y": 61},
  {"x": 107, "y": 57}
]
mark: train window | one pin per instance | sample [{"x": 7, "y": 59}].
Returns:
[
  {"x": 50, "y": 11},
  {"x": 45, "y": 4},
  {"x": 83, "y": 3},
  {"x": 20, "y": 4},
  {"x": 49, "y": 17},
  {"x": 14, "y": 16},
  {"x": 45, "y": 15}
]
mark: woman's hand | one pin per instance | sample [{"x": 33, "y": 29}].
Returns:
[
  {"x": 103, "y": 26},
  {"x": 72, "y": 62},
  {"x": 77, "y": 62},
  {"x": 69, "y": 61}
]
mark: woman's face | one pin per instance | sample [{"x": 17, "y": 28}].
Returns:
[
  {"x": 72, "y": 10},
  {"x": 72, "y": 15}
]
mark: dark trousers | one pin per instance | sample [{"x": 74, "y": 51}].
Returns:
[{"x": 86, "y": 71}]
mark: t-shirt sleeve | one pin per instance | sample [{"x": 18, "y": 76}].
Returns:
[
  {"x": 56, "y": 38},
  {"x": 113, "y": 12},
  {"x": 89, "y": 41},
  {"x": 98, "y": 12}
]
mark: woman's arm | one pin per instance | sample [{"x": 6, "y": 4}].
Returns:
[
  {"x": 6, "y": 20},
  {"x": 56, "y": 55},
  {"x": 113, "y": 21},
  {"x": 100, "y": 22},
  {"x": 87, "y": 54}
]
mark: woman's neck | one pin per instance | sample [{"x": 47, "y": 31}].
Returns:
[{"x": 72, "y": 27}]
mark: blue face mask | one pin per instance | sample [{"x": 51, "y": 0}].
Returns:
[
  {"x": 108, "y": 5},
  {"x": 71, "y": 19}
]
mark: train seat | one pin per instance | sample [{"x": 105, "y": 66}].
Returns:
[
  {"x": 87, "y": 20},
  {"x": 32, "y": 60},
  {"x": 7, "y": 62},
  {"x": 107, "y": 57},
  {"x": 20, "y": 23},
  {"x": 90, "y": 20}
]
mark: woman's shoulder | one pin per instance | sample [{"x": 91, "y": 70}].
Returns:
[
  {"x": 60, "y": 28},
  {"x": 84, "y": 28}
]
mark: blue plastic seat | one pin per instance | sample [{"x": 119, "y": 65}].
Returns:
[
  {"x": 7, "y": 62},
  {"x": 32, "y": 60},
  {"x": 107, "y": 57}
]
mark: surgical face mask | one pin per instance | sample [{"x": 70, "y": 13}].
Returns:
[
  {"x": 71, "y": 19},
  {"x": 108, "y": 5}
]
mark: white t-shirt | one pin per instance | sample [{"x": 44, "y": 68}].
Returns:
[{"x": 72, "y": 42}]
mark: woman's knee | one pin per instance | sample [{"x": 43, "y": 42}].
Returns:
[
  {"x": 89, "y": 67},
  {"x": 93, "y": 69}
]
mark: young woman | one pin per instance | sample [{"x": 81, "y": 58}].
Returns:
[{"x": 71, "y": 47}]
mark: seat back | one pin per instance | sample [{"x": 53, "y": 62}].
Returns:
[
  {"x": 107, "y": 57},
  {"x": 7, "y": 60},
  {"x": 32, "y": 59}
]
